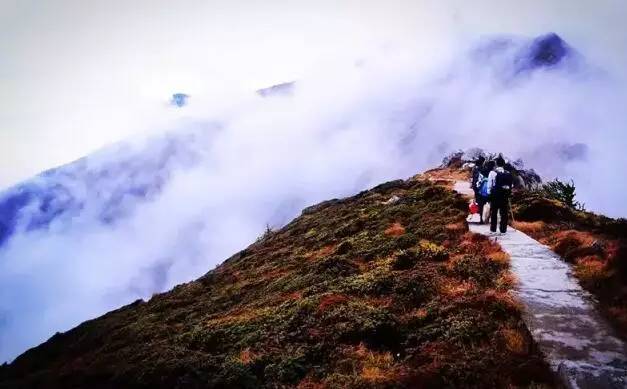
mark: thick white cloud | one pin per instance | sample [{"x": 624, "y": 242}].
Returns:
[
  {"x": 76, "y": 75},
  {"x": 384, "y": 90}
]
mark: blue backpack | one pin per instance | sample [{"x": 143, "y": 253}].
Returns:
[{"x": 482, "y": 185}]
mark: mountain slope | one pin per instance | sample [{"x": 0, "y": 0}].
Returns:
[
  {"x": 106, "y": 186},
  {"x": 371, "y": 290}
]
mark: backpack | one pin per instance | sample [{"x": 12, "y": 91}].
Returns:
[
  {"x": 503, "y": 183},
  {"x": 482, "y": 185}
]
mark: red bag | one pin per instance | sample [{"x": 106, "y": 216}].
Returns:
[{"x": 473, "y": 208}]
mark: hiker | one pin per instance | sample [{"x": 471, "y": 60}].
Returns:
[
  {"x": 475, "y": 184},
  {"x": 500, "y": 184},
  {"x": 476, "y": 171},
  {"x": 482, "y": 193}
]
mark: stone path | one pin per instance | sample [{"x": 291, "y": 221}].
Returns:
[{"x": 578, "y": 343}]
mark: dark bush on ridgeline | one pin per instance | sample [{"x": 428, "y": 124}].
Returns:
[
  {"x": 563, "y": 192},
  {"x": 473, "y": 154},
  {"x": 453, "y": 160},
  {"x": 529, "y": 179}
]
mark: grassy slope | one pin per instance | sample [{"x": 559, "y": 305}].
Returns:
[
  {"x": 354, "y": 292},
  {"x": 595, "y": 244}
]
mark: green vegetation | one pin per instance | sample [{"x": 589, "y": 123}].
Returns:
[
  {"x": 563, "y": 192},
  {"x": 355, "y": 292}
]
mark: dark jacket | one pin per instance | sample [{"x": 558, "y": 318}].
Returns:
[{"x": 476, "y": 170}]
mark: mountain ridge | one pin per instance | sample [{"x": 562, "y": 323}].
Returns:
[{"x": 385, "y": 288}]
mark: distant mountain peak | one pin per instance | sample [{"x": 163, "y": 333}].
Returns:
[
  {"x": 548, "y": 50},
  {"x": 511, "y": 56}
]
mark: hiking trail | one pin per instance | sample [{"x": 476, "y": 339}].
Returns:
[{"x": 578, "y": 343}]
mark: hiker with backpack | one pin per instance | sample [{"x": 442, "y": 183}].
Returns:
[
  {"x": 476, "y": 183},
  {"x": 476, "y": 171},
  {"x": 484, "y": 193},
  {"x": 500, "y": 183},
  {"x": 480, "y": 187}
]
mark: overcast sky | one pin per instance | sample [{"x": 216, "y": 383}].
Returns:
[{"x": 76, "y": 75}]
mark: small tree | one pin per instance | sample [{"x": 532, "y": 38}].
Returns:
[
  {"x": 563, "y": 192},
  {"x": 266, "y": 233}
]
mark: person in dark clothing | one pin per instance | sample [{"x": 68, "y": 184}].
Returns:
[
  {"x": 500, "y": 184},
  {"x": 476, "y": 175},
  {"x": 488, "y": 166},
  {"x": 476, "y": 170}
]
